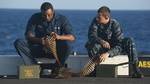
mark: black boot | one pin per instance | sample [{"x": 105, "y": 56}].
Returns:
[
  {"x": 136, "y": 71},
  {"x": 61, "y": 72},
  {"x": 55, "y": 72}
]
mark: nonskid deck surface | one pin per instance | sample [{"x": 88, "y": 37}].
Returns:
[{"x": 79, "y": 80}]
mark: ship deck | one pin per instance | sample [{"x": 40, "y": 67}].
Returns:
[{"x": 79, "y": 80}]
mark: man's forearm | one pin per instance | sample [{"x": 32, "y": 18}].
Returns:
[
  {"x": 65, "y": 37},
  {"x": 92, "y": 35},
  {"x": 35, "y": 40},
  {"x": 115, "y": 51},
  {"x": 31, "y": 37}
]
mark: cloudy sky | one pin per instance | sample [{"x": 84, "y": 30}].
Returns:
[{"x": 78, "y": 4}]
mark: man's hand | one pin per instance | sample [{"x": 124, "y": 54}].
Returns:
[
  {"x": 104, "y": 56},
  {"x": 45, "y": 41},
  {"x": 58, "y": 37},
  {"x": 105, "y": 44},
  {"x": 68, "y": 37}
]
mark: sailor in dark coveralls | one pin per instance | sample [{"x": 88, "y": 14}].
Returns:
[
  {"x": 106, "y": 40},
  {"x": 39, "y": 25}
]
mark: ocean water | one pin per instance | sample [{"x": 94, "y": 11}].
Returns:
[{"x": 135, "y": 24}]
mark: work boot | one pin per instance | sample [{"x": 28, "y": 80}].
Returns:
[
  {"x": 54, "y": 72},
  {"x": 137, "y": 75},
  {"x": 61, "y": 72},
  {"x": 136, "y": 71}
]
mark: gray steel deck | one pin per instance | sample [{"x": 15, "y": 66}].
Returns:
[{"x": 78, "y": 80}]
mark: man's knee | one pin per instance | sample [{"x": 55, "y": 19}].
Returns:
[
  {"x": 128, "y": 40},
  {"x": 128, "y": 44},
  {"x": 18, "y": 42},
  {"x": 94, "y": 49}
]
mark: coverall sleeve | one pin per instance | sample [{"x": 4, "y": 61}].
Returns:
[
  {"x": 117, "y": 39},
  {"x": 92, "y": 33}
]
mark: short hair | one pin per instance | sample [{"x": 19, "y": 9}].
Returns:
[
  {"x": 104, "y": 10},
  {"x": 46, "y": 5}
]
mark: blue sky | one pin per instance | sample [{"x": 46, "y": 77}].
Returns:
[{"x": 78, "y": 4}]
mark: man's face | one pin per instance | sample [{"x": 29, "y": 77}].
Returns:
[
  {"x": 101, "y": 19},
  {"x": 48, "y": 14}
]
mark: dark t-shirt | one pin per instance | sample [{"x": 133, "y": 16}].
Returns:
[{"x": 40, "y": 28}]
